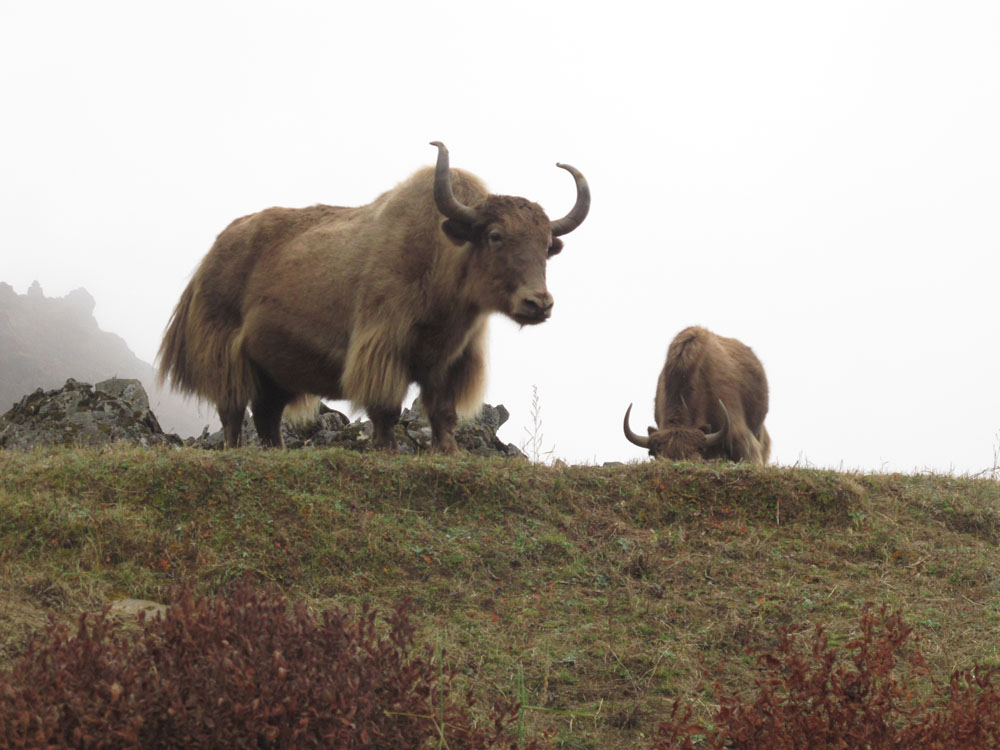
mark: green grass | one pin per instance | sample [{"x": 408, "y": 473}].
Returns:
[{"x": 597, "y": 595}]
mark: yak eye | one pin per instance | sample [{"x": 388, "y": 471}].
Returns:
[{"x": 496, "y": 237}]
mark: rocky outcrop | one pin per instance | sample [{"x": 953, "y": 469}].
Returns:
[
  {"x": 80, "y": 414},
  {"x": 118, "y": 410}
]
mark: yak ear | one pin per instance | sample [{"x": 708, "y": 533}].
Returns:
[
  {"x": 556, "y": 247},
  {"x": 651, "y": 429},
  {"x": 706, "y": 428},
  {"x": 457, "y": 231}
]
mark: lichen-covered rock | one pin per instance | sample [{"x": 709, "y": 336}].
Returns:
[{"x": 115, "y": 410}]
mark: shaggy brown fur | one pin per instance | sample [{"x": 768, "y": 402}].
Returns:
[
  {"x": 357, "y": 303},
  {"x": 709, "y": 384}
]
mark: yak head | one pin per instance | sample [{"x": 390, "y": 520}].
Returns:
[
  {"x": 677, "y": 442},
  {"x": 511, "y": 239}
]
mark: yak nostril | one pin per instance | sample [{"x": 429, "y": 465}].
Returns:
[
  {"x": 538, "y": 305},
  {"x": 533, "y": 307}
]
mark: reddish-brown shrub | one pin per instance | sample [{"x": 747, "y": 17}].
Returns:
[
  {"x": 238, "y": 671},
  {"x": 814, "y": 697}
]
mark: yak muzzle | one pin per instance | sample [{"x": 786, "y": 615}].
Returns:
[{"x": 533, "y": 308}]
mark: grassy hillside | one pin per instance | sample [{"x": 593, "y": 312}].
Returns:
[{"x": 599, "y": 594}]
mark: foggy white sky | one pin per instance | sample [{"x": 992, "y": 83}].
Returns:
[{"x": 820, "y": 180}]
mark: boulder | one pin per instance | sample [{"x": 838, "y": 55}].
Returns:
[{"x": 115, "y": 410}]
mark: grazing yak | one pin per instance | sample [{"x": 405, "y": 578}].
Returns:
[
  {"x": 711, "y": 400},
  {"x": 358, "y": 303}
]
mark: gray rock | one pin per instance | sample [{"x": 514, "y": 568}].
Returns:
[
  {"x": 420, "y": 434},
  {"x": 514, "y": 452},
  {"x": 493, "y": 416},
  {"x": 414, "y": 414},
  {"x": 128, "y": 390},
  {"x": 115, "y": 410},
  {"x": 128, "y": 610},
  {"x": 333, "y": 420}
]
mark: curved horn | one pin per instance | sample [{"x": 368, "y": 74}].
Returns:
[
  {"x": 578, "y": 213},
  {"x": 715, "y": 437},
  {"x": 446, "y": 201},
  {"x": 642, "y": 442}
]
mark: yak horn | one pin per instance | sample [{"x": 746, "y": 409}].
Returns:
[
  {"x": 578, "y": 213},
  {"x": 642, "y": 442},
  {"x": 446, "y": 201},
  {"x": 714, "y": 437}
]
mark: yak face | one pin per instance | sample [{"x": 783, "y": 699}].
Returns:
[
  {"x": 678, "y": 443},
  {"x": 511, "y": 240},
  {"x": 509, "y": 248}
]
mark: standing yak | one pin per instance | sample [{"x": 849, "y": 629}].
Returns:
[
  {"x": 711, "y": 400},
  {"x": 358, "y": 303}
]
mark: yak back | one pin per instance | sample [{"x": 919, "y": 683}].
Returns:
[{"x": 703, "y": 368}]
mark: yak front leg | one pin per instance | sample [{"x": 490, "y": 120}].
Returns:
[
  {"x": 384, "y": 421},
  {"x": 441, "y": 414},
  {"x": 458, "y": 389},
  {"x": 443, "y": 421}
]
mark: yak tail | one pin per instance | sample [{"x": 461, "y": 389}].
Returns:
[
  {"x": 170, "y": 357},
  {"x": 204, "y": 357}
]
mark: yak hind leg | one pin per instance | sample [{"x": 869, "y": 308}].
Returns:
[
  {"x": 384, "y": 422},
  {"x": 268, "y": 405},
  {"x": 232, "y": 424}
]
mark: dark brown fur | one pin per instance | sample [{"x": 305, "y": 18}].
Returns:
[
  {"x": 358, "y": 303},
  {"x": 701, "y": 372}
]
